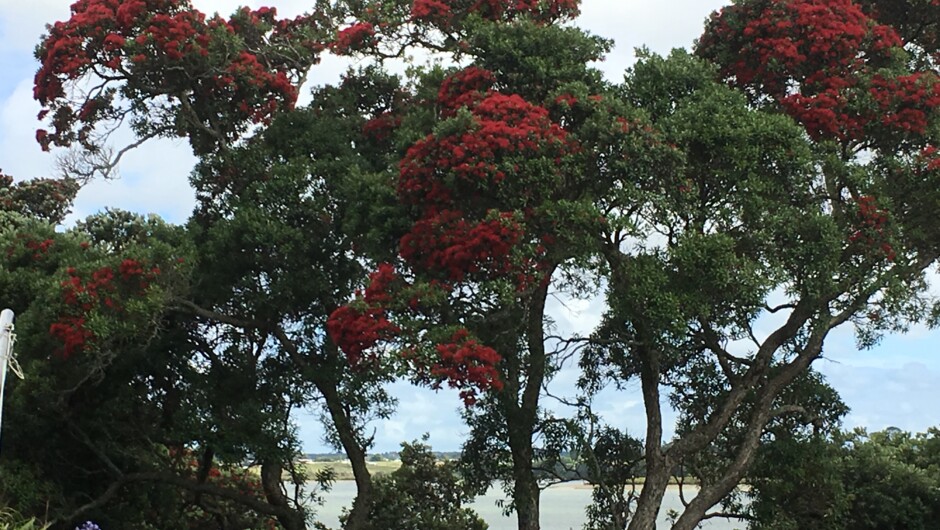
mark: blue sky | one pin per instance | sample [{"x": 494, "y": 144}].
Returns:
[{"x": 895, "y": 384}]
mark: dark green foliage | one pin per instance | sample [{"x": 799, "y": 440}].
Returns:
[
  {"x": 853, "y": 481},
  {"x": 614, "y": 464},
  {"x": 423, "y": 494},
  {"x": 516, "y": 54},
  {"x": 77, "y": 418}
]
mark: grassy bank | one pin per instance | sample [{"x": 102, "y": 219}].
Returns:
[{"x": 343, "y": 470}]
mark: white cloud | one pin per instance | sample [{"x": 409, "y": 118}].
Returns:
[
  {"x": 660, "y": 26},
  {"x": 420, "y": 410},
  {"x": 903, "y": 396},
  {"x": 22, "y": 22},
  {"x": 574, "y": 316},
  {"x": 20, "y": 155},
  {"x": 148, "y": 188}
]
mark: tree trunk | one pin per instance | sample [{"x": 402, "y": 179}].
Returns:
[
  {"x": 712, "y": 494},
  {"x": 526, "y": 497},
  {"x": 525, "y": 486},
  {"x": 271, "y": 484},
  {"x": 651, "y": 496},
  {"x": 352, "y": 445},
  {"x": 657, "y": 464},
  {"x": 522, "y": 414},
  {"x": 359, "y": 513}
]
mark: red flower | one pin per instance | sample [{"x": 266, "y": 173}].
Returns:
[
  {"x": 140, "y": 41},
  {"x": 465, "y": 88},
  {"x": 356, "y": 331},
  {"x": 468, "y": 365},
  {"x": 353, "y": 38},
  {"x": 380, "y": 128},
  {"x": 102, "y": 290},
  {"x": 380, "y": 283},
  {"x": 817, "y": 59},
  {"x": 42, "y": 136},
  {"x": 872, "y": 228},
  {"x": 449, "y": 243},
  {"x": 73, "y": 334}
]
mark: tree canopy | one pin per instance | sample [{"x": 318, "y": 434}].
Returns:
[{"x": 730, "y": 205}]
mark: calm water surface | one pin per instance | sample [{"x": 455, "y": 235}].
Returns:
[{"x": 562, "y": 507}]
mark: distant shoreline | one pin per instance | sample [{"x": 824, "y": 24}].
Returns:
[{"x": 342, "y": 471}]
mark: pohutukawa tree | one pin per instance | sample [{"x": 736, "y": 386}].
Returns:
[
  {"x": 241, "y": 340},
  {"x": 784, "y": 177},
  {"x": 279, "y": 203},
  {"x": 89, "y": 304},
  {"x": 507, "y": 197},
  {"x": 467, "y": 306},
  {"x": 168, "y": 70},
  {"x": 801, "y": 205}
]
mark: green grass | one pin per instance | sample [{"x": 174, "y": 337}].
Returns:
[{"x": 343, "y": 470}]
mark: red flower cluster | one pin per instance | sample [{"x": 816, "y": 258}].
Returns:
[
  {"x": 506, "y": 130},
  {"x": 487, "y": 164},
  {"x": 566, "y": 100},
  {"x": 358, "y": 328},
  {"x": 41, "y": 247},
  {"x": 773, "y": 42},
  {"x": 354, "y": 38},
  {"x": 822, "y": 62},
  {"x": 906, "y": 101},
  {"x": 246, "y": 74},
  {"x": 826, "y": 114},
  {"x": 103, "y": 290},
  {"x": 97, "y": 32},
  {"x": 448, "y": 242},
  {"x": 872, "y": 221},
  {"x": 73, "y": 334},
  {"x": 443, "y": 13},
  {"x": 903, "y": 104},
  {"x": 160, "y": 48},
  {"x": 464, "y": 89},
  {"x": 467, "y": 365},
  {"x": 436, "y": 11},
  {"x": 929, "y": 157},
  {"x": 381, "y": 283},
  {"x": 33, "y": 248},
  {"x": 248, "y": 18},
  {"x": 176, "y": 35},
  {"x": 380, "y": 128}
]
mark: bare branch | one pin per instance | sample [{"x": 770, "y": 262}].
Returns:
[
  {"x": 91, "y": 446},
  {"x": 83, "y": 165},
  {"x": 710, "y": 339},
  {"x": 787, "y": 409},
  {"x": 245, "y": 323},
  {"x": 779, "y": 307},
  {"x": 728, "y": 515}
]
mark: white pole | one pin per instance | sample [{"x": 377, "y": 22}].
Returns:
[{"x": 6, "y": 351}]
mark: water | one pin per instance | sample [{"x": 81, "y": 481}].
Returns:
[{"x": 562, "y": 507}]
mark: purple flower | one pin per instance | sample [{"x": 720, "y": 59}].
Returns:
[{"x": 88, "y": 525}]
